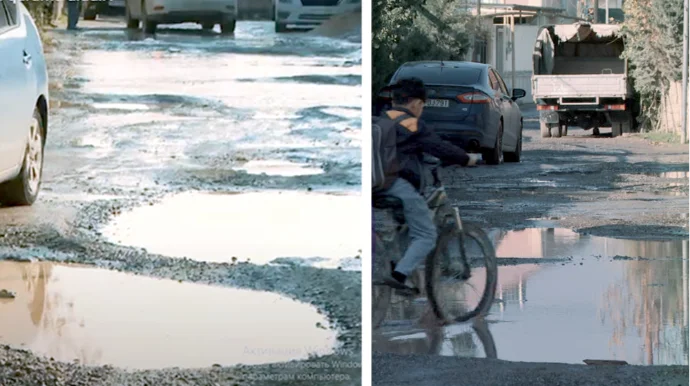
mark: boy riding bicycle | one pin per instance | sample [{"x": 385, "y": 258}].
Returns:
[{"x": 413, "y": 139}]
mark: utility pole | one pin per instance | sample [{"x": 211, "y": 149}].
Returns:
[
  {"x": 684, "y": 97},
  {"x": 595, "y": 18},
  {"x": 512, "y": 52}
]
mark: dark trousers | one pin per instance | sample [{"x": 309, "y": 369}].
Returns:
[{"x": 72, "y": 13}]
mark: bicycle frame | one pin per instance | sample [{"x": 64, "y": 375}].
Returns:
[{"x": 436, "y": 200}]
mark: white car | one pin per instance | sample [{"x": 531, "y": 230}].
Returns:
[
  {"x": 23, "y": 105},
  {"x": 208, "y": 13},
  {"x": 307, "y": 14}
]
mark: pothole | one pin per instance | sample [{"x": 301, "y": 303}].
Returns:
[
  {"x": 318, "y": 228},
  {"x": 99, "y": 317},
  {"x": 279, "y": 168},
  {"x": 611, "y": 299}
]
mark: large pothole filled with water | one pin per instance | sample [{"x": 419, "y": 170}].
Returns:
[
  {"x": 606, "y": 299},
  {"x": 318, "y": 229},
  {"x": 99, "y": 317}
]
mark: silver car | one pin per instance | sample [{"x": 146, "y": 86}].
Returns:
[
  {"x": 208, "y": 13},
  {"x": 23, "y": 105}
]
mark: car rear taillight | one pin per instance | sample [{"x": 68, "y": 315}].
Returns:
[
  {"x": 615, "y": 107},
  {"x": 547, "y": 107},
  {"x": 474, "y": 97}
]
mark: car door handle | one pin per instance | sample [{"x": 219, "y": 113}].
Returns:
[{"x": 27, "y": 58}]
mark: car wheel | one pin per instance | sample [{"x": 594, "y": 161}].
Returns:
[
  {"x": 495, "y": 156},
  {"x": 208, "y": 26},
  {"x": 596, "y": 132},
  {"x": 281, "y": 27},
  {"x": 90, "y": 11},
  {"x": 517, "y": 154},
  {"x": 23, "y": 189},
  {"x": 228, "y": 28},
  {"x": 545, "y": 130},
  {"x": 149, "y": 26},
  {"x": 131, "y": 22}
]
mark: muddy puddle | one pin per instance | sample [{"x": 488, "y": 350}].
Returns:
[
  {"x": 609, "y": 299},
  {"x": 99, "y": 317},
  {"x": 309, "y": 228}
]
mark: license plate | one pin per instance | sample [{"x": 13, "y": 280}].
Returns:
[{"x": 437, "y": 103}]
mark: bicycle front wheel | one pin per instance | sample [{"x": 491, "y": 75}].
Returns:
[{"x": 461, "y": 288}]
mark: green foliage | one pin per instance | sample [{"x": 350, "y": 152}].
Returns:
[
  {"x": 653, "y": 31},
  {"x": 41, "y": 11},
  {"x": 409, "y": 30}
]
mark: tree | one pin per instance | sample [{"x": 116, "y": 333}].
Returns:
[
  {"x": 411, "y": 30},
  {"x": 653, "y": 31}
]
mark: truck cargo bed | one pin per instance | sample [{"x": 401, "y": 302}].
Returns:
[{"x": 580, "y": 86}]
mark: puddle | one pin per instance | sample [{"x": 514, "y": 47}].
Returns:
[
  {"x": 103, "y": 317},
  {"x": 259, "y": 226},
  {"x": 595, "y": 306},
  {"x": 280, "y": 168}
]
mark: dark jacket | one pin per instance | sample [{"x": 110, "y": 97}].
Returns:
[{"x": 416, "y": 138}]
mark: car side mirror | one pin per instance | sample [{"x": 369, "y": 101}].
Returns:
[{"x": 518, "y": 93}]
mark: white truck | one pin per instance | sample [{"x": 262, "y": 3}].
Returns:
[{"x": 579, "y": 79}]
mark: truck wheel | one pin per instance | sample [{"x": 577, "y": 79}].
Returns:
[
  {"x": 627, "y": 124},
  {"x": 545, "y": 130},
  {"x": 556, "y": 131},
  {"x": 565, "y": 130},
  {"x": 596, "y": 132}
]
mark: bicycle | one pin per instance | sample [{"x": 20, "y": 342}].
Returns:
[{"x": 440, "y": 268}]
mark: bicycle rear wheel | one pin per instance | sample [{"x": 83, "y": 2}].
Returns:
[
  {"x": 455, "y": 294},
  {"x": 380, "y": 294}
]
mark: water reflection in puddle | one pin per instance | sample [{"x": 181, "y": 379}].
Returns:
[
  {"x": 104, "y": 317},
  {"x": 260, "y": 226},
  {"x": 599, "y": 305},
  {"x": 279, "y": 168}
]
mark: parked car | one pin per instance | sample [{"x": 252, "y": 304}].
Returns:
[
  {"x": 307, "y": 14},
  {"x": 469, "y": 105},
  {"x": 208, "y": 13},
  {"x": 23, "y": 105},
  {"x": 93, "y": 8}
]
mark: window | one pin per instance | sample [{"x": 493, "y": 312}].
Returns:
[
  {"x": 9, "y": 13},
  {"x": 4, "y": 22},
  {"x": 493, "y": 81},
  {"x": 502, "y": 84}
]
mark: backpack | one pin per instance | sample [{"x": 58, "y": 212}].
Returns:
[{"x": 384, "y": 152}]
